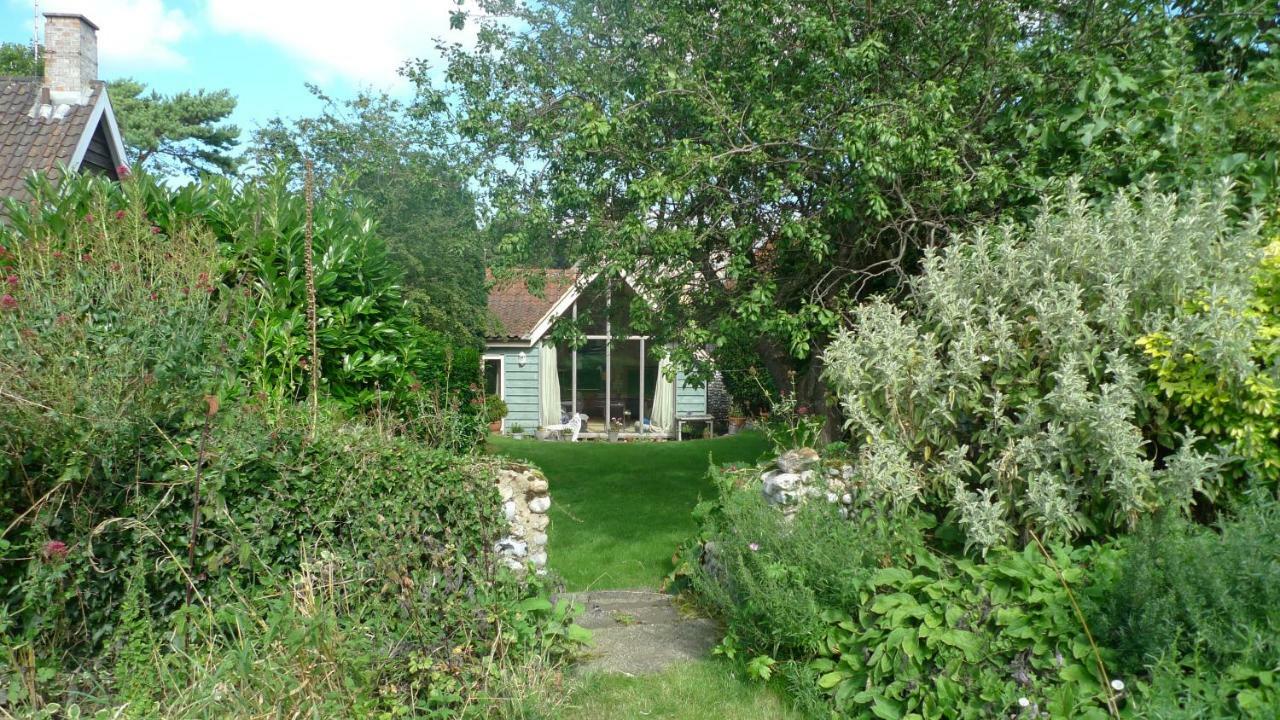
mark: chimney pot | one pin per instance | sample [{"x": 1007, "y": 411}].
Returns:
[{"x": 70, "y": 57}]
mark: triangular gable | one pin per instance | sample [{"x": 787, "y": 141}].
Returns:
[
  {"x": 103, "y": 118},
  {"x": 571, "y": 296}
]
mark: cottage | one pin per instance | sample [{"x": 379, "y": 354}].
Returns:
[
  {"x": 616, "y": 377},
  {"x": 63, "y": 119}
]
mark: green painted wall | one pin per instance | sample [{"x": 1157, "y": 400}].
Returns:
[{"x": 521, "y": 387}]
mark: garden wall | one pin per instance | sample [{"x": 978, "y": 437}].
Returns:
[{"x": 525, "y": 502}]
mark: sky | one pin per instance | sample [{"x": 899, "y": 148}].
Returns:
[{"x": 263, "y": 51}]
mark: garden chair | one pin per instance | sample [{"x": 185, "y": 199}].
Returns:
[{"x": 574, "y": 425}]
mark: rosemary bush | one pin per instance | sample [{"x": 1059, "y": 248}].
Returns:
[{"x": 1007, "y": 390}]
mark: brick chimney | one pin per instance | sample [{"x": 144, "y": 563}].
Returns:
[{"x": 70, "y": 57}]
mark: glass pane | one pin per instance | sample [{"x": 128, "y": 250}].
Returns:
[
  {"x": 491, "y": 375},
  {"x": 593, "y": 309},
  {"x": 625, "y": 387},
  {"x": 591, "y": 374},
  {"x": 620, "y": 309}
]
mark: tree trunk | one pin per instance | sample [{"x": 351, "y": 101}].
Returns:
[{"x": 804, "y": 378}]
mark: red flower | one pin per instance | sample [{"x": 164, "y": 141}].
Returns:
[
  {"x": 119, "y": 214},
  {"x": 57, "y": 254},
  {"x": 12, "y": 280},
  {"x": 122, "y": 170},
  {"x": 8, "y": 302},
  {"x": 802, "y": 410},
  {"x": 55, "y": 550},
  {"x": 87, "y": 257},
  {"x": 4, "y": 252},
  {"x": 153, "y": 296},
  {"x": 88, "y": 217},
  {"x": 155, "y": 229}
]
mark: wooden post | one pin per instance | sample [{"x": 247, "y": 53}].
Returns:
[{"x": 311, "y": 303}]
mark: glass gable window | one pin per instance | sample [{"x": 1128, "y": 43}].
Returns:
[{"x": 612, "y": 374}]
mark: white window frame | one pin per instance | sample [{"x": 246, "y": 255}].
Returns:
[{"x": 502, "y": 372}]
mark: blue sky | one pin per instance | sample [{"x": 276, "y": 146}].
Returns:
[{"x": 264, "y": 51}]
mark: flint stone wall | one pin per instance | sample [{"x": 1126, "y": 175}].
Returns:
[{"x": 525, "y": 501}]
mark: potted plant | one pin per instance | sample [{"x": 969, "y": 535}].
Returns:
[
  {"x": 495, "y": 408},
  {"x": 737, "y": 418},
  {"x": 540, "y": 433},
  {"x": 517, "y": 432},
  {"x": 615, "y": 427}
]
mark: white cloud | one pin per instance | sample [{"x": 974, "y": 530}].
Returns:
[
  {"x": 132, "y": 34},
  {"x": 362, "y": 41}
]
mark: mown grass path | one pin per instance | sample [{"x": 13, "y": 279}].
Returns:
[{"x": 619, "y": 510}]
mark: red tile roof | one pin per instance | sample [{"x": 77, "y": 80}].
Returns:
[
  {"x": 30, "y": 141},
  {"x": 516, "y": 310}
]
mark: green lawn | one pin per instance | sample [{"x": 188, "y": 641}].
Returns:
[
  {"x": 707, "y": 690},
  {"x": 618, "y": 510}
]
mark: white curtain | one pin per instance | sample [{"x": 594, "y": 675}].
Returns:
[
  {"x": 663, "y": 416},
  {"x": 548, "y": 385}
]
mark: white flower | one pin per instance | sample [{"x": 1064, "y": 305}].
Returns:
[
  {"x": 1023, "y": 702},
  {"x": 1117, "y": 685},
  {"x": 987, "y": 358}
]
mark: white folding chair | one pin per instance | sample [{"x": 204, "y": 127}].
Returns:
[{"x": 575, "y": 425}]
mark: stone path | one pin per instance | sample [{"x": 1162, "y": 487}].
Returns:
[{"x": 637, "y": 632}]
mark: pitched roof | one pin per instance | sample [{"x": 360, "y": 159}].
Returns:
[
  {"x": 517, "y": 311},
  {"x": 36, "y": 135}
]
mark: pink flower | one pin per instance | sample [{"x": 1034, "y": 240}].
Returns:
[
  {"x": 119, "y": 214},
  {"x": 88, "y": 217},
  {"x": 8, "y": 302},
  {"x": 55, "y": 550},
  {"x": 155, "y": 229},
  {"x": 122, "y": 170},
  {"x": 12, "y": 280},
  {"x": 755, "y": 547},
  {"x": 87, "y": 257},
  {"x": 802, "y": 410}
]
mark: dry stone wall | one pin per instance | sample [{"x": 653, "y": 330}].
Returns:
[
  {"x": 798, "y": 475},
  {"x": 525, "y": 501}
]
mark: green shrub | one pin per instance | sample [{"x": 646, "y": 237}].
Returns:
[
  {"x": 111, "y": 339},
  {"x": 1236, "y": 408},
  {"x": 340, "y": 567},
  {"x": 1007, "y": 390},
  {"x": 861, "y": 619},
  {"x": 374, "y": 354},
  {"x": 1201, "y": 608}
]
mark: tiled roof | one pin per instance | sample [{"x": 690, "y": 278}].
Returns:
[
  {"x": 516, "y": 310},
  {"x": 34, "y": 135}
]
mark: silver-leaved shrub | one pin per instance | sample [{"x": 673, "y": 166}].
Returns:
[{"x": 1007, "y": 387}]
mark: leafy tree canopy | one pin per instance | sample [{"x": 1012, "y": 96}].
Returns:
[
  {"x": 183, "y": 133},
  {"x": 16, "y": 59},
  {"x": 419, "y": 196},
  {"x": 763, "y": 164}
]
